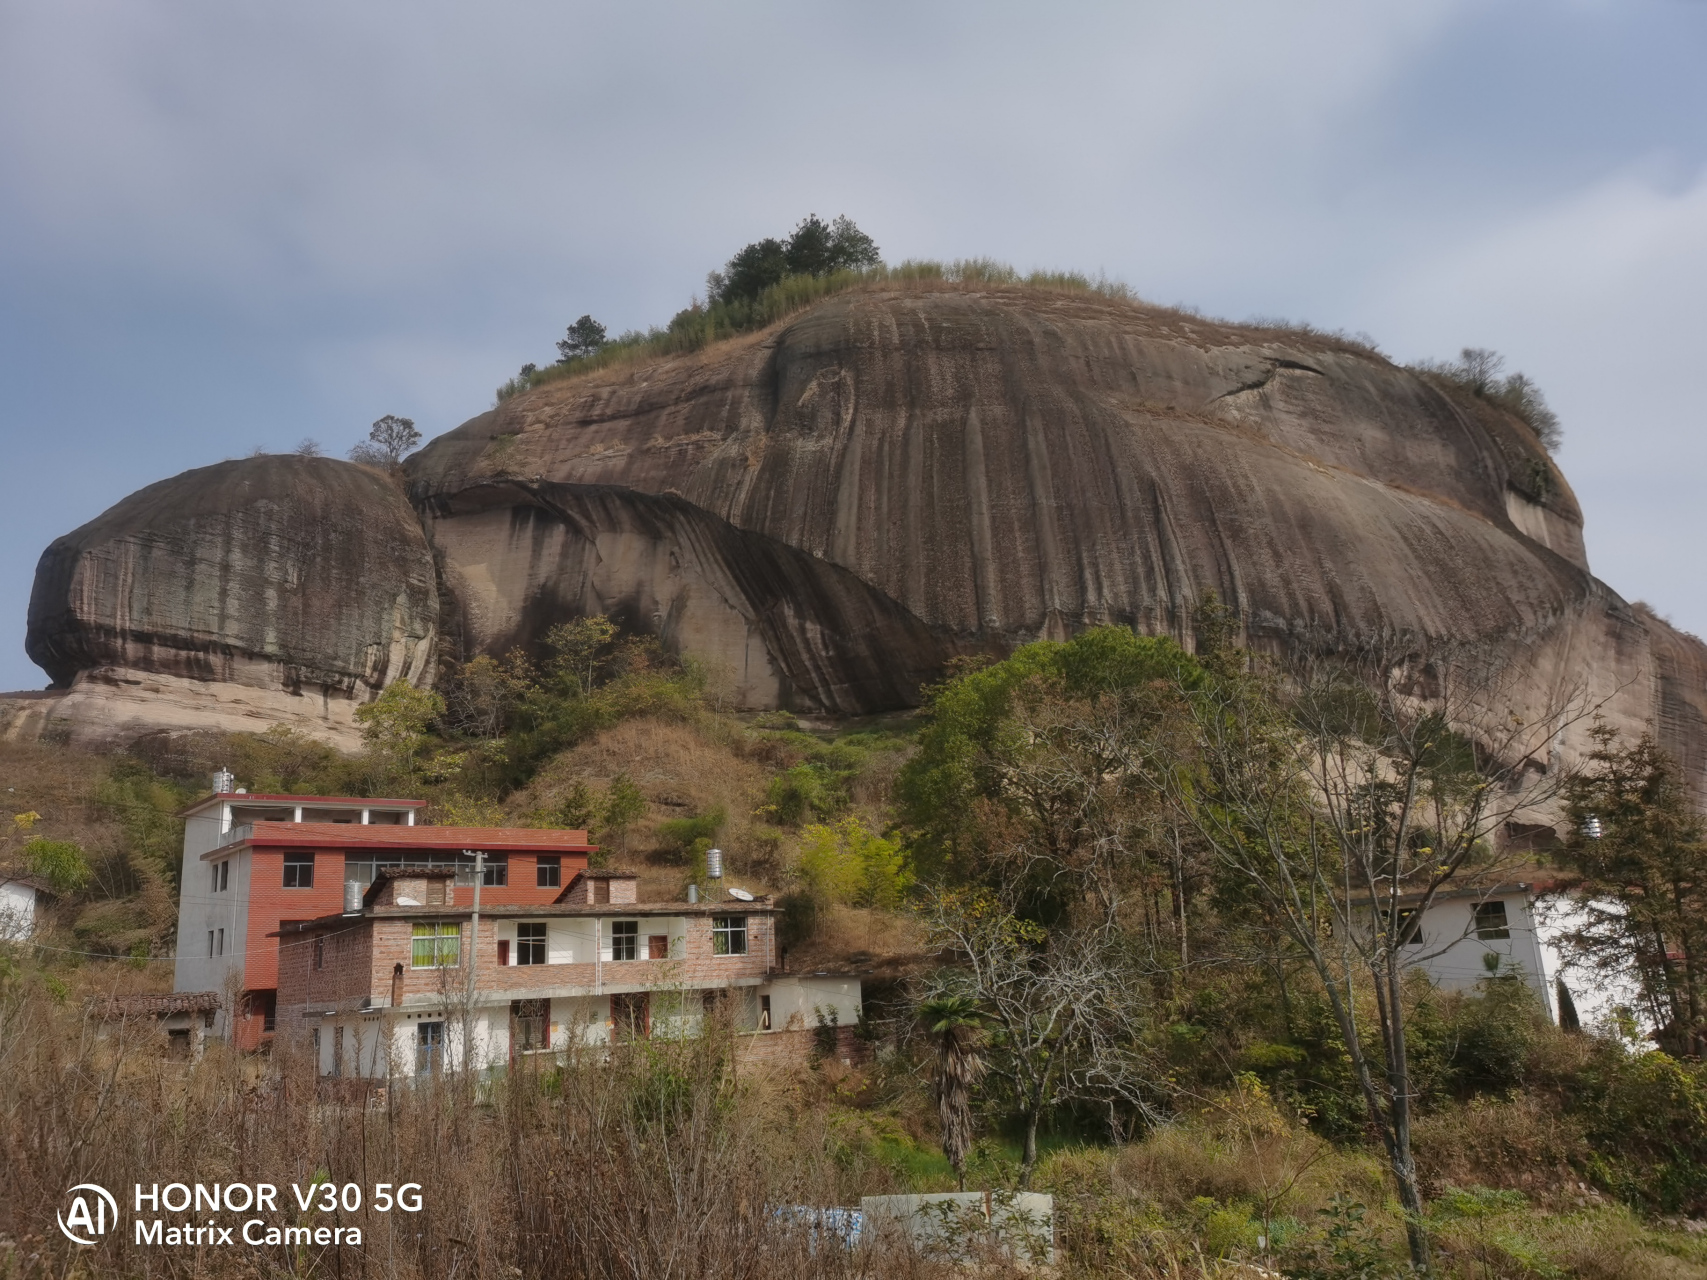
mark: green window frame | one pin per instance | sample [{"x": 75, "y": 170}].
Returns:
[{"x": 436, "y": 946}]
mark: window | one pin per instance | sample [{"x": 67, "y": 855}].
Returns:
[
  {"x": 429, "y": 1046},
  {"x": 320, "y": 953},
  {"x": 225, "y": 875},
  {"x": 658, "y": 946},
  {"x": 495, "y": 873},
  {"x": 214, "y": 867},
  {"x": 1409, "y": 926},
  {"x": 269, "y": 1011},
  {"x": 624, "y": 939},
  {"x": 317, "y": 1070},
  {"x": 550, "y": 871},
  {"x": 221, "y": 949},
  {"x": 1491, "y": 922},
  {"x": 210, "y": 944},
  {"x": 299, "y": 871},
  {"x": 530, "y": 943},
  {"x": 729, "y": 935},
  {"x": 764, "y": 1013},
  {"x": 529, "y": 1025},
  {"x": 437, "y": 946}
]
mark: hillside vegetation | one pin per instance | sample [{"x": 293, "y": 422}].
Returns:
[{"x": 1063, "y": 816}]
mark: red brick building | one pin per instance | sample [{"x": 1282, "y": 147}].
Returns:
[
  {"x": 388, "y": 988},
  {"x": 252, "y": 863}
]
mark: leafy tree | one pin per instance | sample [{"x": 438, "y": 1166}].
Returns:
[
  {"x": 394, "y": 727},
  {"x": 817, "y": 248},
  {"x": 583, "y": 650},
  {"x": 995, "y": 741},
  {"x": 625, "y": 804},
  {"x": 954, "y": 1021},
  {"x": 850, "y": 865},
  {"x": 584, "y": 338},
  {"x": 1644, "y": 892},
  {"x": 388, "y": 441},
  {"x": 579, "y": 810}
]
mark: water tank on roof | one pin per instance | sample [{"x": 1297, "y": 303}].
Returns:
[
  {"x": 352, "y": 897},
  {"x": 224, "y": 783}
]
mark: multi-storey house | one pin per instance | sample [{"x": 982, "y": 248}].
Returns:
[
  {"x": 414, "y": 977},
  {"x": 253, "y": 863}
]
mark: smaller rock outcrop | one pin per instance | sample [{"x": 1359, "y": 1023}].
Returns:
[{"x": 256, "y": 591}]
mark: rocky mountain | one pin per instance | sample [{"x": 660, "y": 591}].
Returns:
[
  {"x": 265, "y": 590},
  {"x": 827, "y": 511}
]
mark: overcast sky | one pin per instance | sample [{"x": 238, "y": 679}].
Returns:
[{"x": 229, "y": 224}]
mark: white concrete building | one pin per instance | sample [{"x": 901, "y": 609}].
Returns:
[
  {"x": 1469, "y": 934},
  {"x": 21, "y": 901}
]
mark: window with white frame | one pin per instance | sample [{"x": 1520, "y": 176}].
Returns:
[
  {"x": 728, "y": 935},
  {"x": 625, "y": 939}
]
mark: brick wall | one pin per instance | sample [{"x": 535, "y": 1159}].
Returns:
[
  {"x": 796, "y": 1048},
  {"x": 357, "y": 962}
]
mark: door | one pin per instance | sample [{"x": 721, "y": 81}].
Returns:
[
  {"x": 631, "y": 1015},
  {"x": 429, "y": 1047}
]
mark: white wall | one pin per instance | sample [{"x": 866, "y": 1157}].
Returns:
[
  {"x": 797, "y": 1001},
  {"x": 1455, "y": 958},
  {"x": 200, "y": 910},
  {"x": 17, "y": 912}
]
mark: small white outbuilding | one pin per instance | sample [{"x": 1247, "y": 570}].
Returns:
[{"x": 22, "y": 899}]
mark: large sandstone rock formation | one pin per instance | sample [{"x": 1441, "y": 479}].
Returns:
[
  {"x": 830, "y": 510},
  {"x": 266, "y": 590}
]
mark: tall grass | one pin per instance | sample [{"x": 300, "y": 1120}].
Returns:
[
  {"x": 700, "y": 325},
  {"x": 657, "y": 1159}
]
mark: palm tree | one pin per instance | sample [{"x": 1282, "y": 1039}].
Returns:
[{"x": 954, "y": 1020}]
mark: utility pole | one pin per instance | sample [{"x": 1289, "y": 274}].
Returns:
[{"x": 473, "y": 961}]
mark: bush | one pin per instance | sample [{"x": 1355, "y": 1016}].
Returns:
[
  {"x": 679, "y": 837},
  {"x": 849, "y": 865},
  {"x": 59, "y": 862}
]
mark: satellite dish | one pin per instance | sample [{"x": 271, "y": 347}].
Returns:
[
  {"x": 404, "y": 901},
  {"x": 740, "y": 895}
]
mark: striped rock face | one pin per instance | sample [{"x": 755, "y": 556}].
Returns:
[
  {"x": 832, "y": 508},
  {"x": 265, "y": 590},
  {"x": 828, "y": 511}
]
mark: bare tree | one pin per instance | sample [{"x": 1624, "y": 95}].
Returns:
[
  {"x": 1348, "y": 801},
  {"x": 1064, "y": 1015}
]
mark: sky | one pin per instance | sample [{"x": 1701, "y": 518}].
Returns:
[{"x": 228, "y": 225}]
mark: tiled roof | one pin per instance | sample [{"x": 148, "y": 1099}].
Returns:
[{"x": 154, "y": 1006}]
